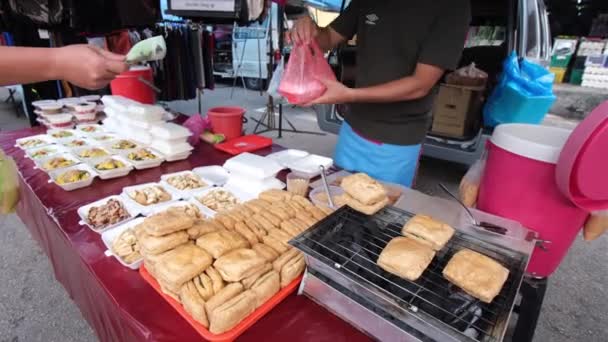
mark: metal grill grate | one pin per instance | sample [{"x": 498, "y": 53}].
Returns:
[{"x": 350, "y": 243}]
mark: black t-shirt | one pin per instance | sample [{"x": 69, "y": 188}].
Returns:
[{"x": 392, "y": 37}]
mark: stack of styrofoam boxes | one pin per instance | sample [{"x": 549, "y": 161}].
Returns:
[
  {"x": 596, "y": 64},
  {"x": 251, "y": 174},
  {"x": 596, "y": 72},
  {"x": 171, "y": 140},
  {"x": 132, "y": 119}
]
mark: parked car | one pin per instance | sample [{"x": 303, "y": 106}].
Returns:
[{"x": 527, "y": 33}]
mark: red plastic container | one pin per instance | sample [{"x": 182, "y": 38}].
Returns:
[
  {"x": 240, "y": 328},
  {"x": 227, "y": 121},
  {"x": 129, "y": 84},
  {"x": 519, "y": 183},
  {"x": 247, "y": 143}
]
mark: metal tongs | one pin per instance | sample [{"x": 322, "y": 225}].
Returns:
[
  {"x": 326, "y": 186},
  {"x": 485, "y": 225}
]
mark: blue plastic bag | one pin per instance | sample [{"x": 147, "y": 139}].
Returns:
[{"x": 524, "y": 94}]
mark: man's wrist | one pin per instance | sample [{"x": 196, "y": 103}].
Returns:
[{"x": 55, "y": 69}]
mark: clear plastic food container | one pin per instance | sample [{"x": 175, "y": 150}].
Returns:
[
  {"x": 110, "y": 235},
  {"x": 50, "y": 108},
  {"x": 54, "y": 175},
  {"x": 40, "y": 103},
  {"x": 112, "y": 173},
  {"x": 318, "y": 196},
  {"x": 150, "y": 208},
  {"x": 146, "y": 113},
  {"x": 85, "y": 107},
  {"x": 83, "y": 212},
  {"x": 63, "y": 119},
  {"x": 83, "y": 118},
  {"x": 170, "y": 131}
]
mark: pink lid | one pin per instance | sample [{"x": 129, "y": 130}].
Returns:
[{"x": 581, "y": 168}]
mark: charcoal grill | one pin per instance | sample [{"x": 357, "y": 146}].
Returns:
[{"x": 341, "y": 253}]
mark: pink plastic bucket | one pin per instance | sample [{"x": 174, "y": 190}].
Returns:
[{"x": 519, "y": 183}]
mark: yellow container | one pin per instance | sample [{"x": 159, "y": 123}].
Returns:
[{"x": 560, "y": 73}]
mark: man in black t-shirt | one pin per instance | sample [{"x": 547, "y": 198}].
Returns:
[{"x": 403, "y": 49}]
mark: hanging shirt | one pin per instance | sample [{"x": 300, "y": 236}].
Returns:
[{"x": 392, "y": 37}]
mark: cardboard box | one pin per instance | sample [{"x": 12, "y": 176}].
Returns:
[
  {"x": 560, "y": 73},
  {"x": 457, "y": 111}
]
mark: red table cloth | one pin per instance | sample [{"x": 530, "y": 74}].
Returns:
[{"x": 116, "y": 301}]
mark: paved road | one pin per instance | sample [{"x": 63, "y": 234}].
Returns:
[{"x": 34, "y": 307}]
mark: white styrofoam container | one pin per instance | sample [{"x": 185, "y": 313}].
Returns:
[
  {"x": 170, "y": 131},
  {"x": 102, "y": 137},
  {"x": 67, "y": 155},
  {"x": 78, "y": 150},
  {"x": 287, "y": 156},
  {"x": 146, "y": 113},
  {"x": 147, "y": 125},
  {"x": 76, "y": 142},
  {"x": 185, "y": 193},
  {"x": 215, "y": 174},
  {"x": 50, "y": 132},
  {"x": 44, "y": 140},
  {"x": 170, "y": 149},
  {"x": 195, "y": 195},
  {"x": 141, "y": 136},
  {"x": 309, "y": 166},
  {"x": 51, "y": 150},
  {"x": 253, "y": 166},
  {"x": 177, "y": 157},
  {"x": 112, "y": 113},
  {"x": 75, "y": 185},
  {"x": 147, "y": 209},
  {"x": 88, "y": 130},
  {"x": 83, "y": 212},
  {"x": 253, "y": 187},
  {"x": 109, "y": 145},
  {"x": 109, "y": 235},
  {"x": 110, "y": 174},
  {"x": 144, "y": 164}
]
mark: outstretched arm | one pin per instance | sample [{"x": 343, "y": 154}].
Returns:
[{"x": 83, "y": 65}]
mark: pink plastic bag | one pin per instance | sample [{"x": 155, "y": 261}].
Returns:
[
  {"x": 300, "y": 83},
  {"x": 197, "y": 125}
]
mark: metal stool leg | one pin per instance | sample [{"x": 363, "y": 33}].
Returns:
[{"x": 533, "y": 293}]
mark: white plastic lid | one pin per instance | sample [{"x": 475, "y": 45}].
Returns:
[
  {"x": 85, "y": 106},
  {"x": 49, "y": 106},
  {"x": 542, "y": 143},
  {"x": 92, "y": 98},
  {"x": 148, "y": 112},
  {"x": 253, "y": 166},
  {"x": 170, "y": 131}
]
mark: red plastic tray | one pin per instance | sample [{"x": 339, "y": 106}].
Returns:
[
  {"x": 240, "y": 328},
  {"x": 246, "y": 143}
]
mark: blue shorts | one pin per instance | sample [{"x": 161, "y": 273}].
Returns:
[{"x": 390, "y": 163}]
